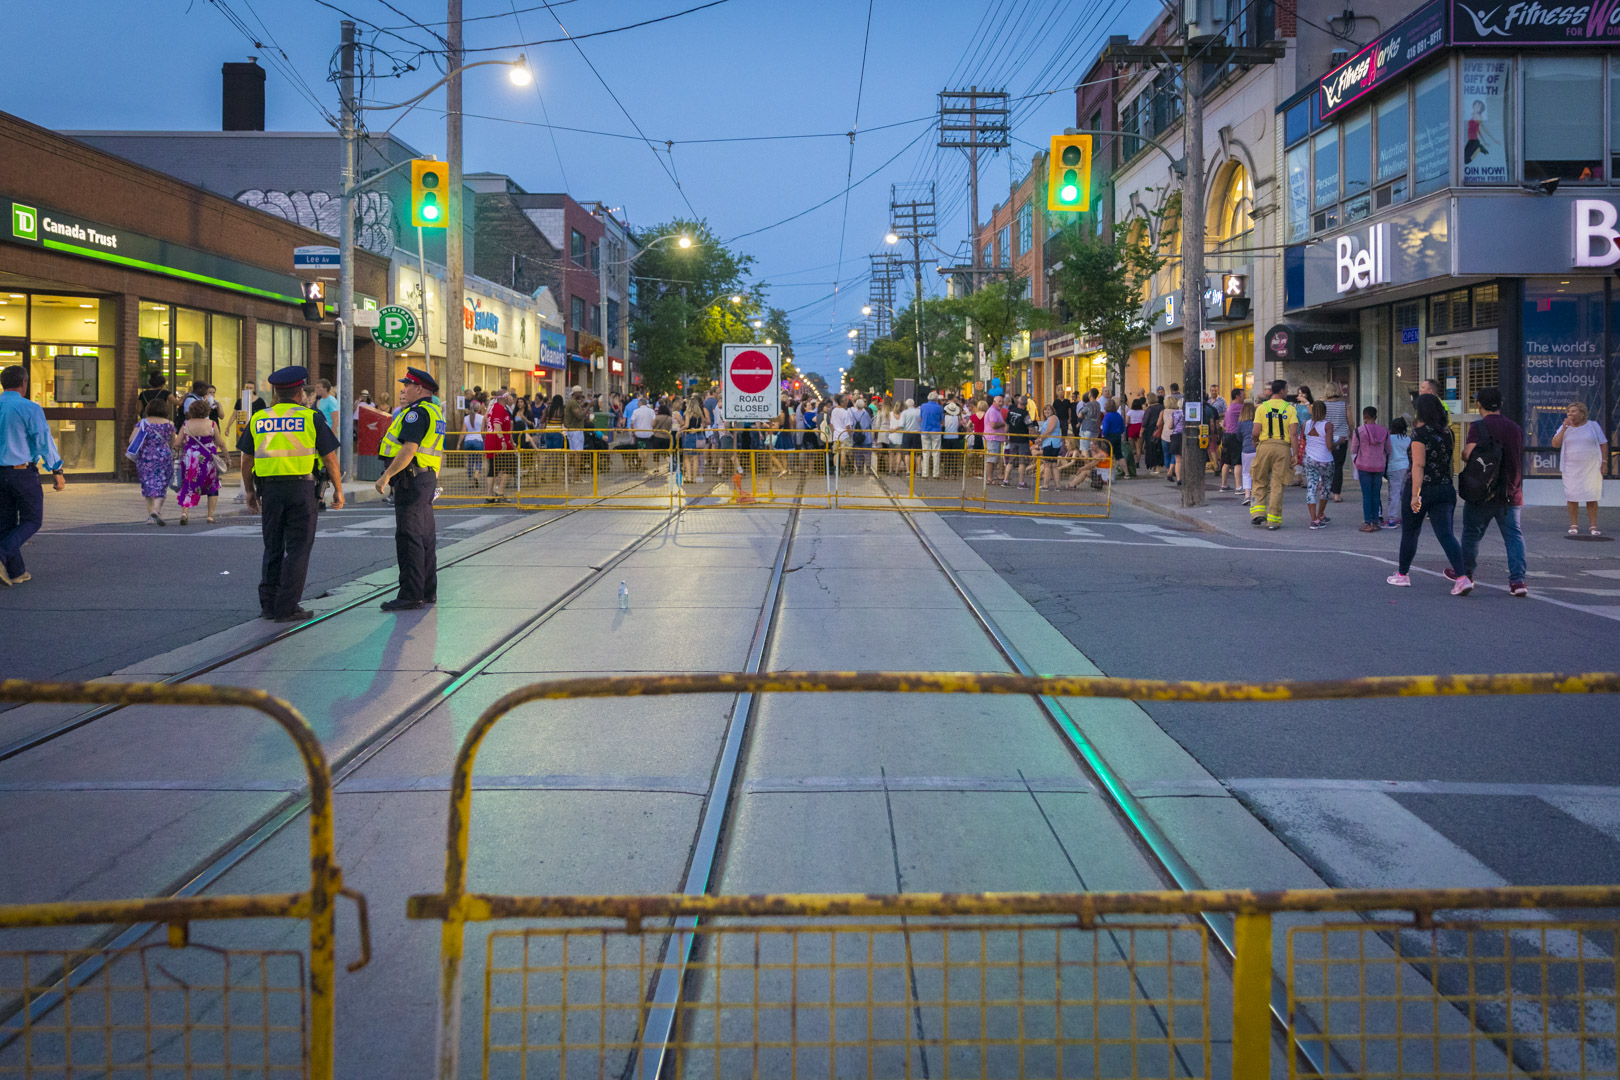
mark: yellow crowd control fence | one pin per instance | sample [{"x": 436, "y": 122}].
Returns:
[
  {"x": 744, "y": 468},
  {"x": 178, "y": 1009},
  {"x": 1374, "y": 983}
]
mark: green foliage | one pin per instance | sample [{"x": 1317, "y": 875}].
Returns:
[
  {"x": 685, "y": 312},
  {"x": 1102, "y": 284},
  {"x": 998, "y": 312}
]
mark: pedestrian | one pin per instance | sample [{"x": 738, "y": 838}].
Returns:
[
  {"x": 474, "y": 424},
  {"x": 1246, "y": 434},
  {"x": 896, "y": 426},
  {"x": 1583, "y": 453},
  {"x": 326, "y": 401},
  {"x": 931, "y": 421},
  {"x": 1505, "y": 496},
  {"x": 1170, "y": 437},
  {"x": 995, "y": 437},
  {"x": 1400, "y": 465},
  {"x": 1303, "y": 400},
  {"x": 412, "y": 450},
  {"x": 1275, "y": 428},
  {"x": 975, "y": 425},
  {"x": 1369, "y": 452},
  {"x": 1113, "y": 432},
  {"x": 661, "y": 438},
  {"x": 1231, "y": 457},
  {"x": 1017, "y": 452},
  {"x": 1050, "y": 437},
  {"x": 202, "y": 460},
  {"x": 784, "y": 438},
  {"x": 1338, "y": 414},
  {"x": 911, "y": 426},
  {"x": 1430, "y": 493},
  {"x": 499, "y": 447},
  {"x": 151, "y": 447},
  {"x": 951, "y": 426},
  {"x": 279, "y": 451},
  {"x": 1134, "y": 414},
  {"x": 1153, "y": 450},
  {"x": 156, "y": 388},
  {"x": 1318, "y": 464},
  {"x": 25, "y": 444}
]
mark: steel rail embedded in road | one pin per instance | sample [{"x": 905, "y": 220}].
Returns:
[{"x": 73, "y": 723}]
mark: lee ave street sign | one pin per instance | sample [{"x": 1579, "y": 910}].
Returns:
[
  {"x": 396, "y": 328},
  {"x": 750, "y": 379}
]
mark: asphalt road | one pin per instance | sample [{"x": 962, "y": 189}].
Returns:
[
  {"x": 105, "y": 596},
  {"x": 1426, "y": 791}
]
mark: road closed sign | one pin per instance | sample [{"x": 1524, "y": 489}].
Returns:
[{"x": 750, "y": 382}]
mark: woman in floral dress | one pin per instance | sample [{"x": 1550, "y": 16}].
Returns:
[
  {"x": 154, "y": 462},
  {"x": 202, "y": 458}
]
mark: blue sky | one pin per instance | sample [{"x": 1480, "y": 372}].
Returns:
[{"x": 741, "y": 68}]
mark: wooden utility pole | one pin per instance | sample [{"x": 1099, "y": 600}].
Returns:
[
  {"x": 974, "y": 120},
  {"x": 455, "y": 297}
]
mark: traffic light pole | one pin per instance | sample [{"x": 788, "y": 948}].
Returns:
[
  {"x": 345, "y": 325},
  {"x": 455, "y": 286}
]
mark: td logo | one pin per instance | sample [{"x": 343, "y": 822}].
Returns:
[{"x": 24, "y": 222}]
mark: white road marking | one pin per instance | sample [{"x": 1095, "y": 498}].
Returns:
[{"x": 1550, "y": 792}]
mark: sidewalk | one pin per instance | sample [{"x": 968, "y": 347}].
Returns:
[
  {"x": 1544, "y": 526},
  {"x": 106, "y": 502}
]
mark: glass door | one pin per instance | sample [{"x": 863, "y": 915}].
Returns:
[{"x": 1462, "y": 375}]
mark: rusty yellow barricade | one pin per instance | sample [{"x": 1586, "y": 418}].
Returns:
[
  {"x": 708, "y": 478},
  {"x": 179, "y": 1009},
  {"x": 1402, "y": 983},
  {"x": 622, "y": 479}
]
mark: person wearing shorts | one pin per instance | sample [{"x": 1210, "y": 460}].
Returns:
[
  {"x": 1017, "y": 441},
  {"x": 995, "y": 433}
]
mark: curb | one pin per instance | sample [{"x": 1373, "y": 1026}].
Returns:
[{"x": 1185, "y": 517}]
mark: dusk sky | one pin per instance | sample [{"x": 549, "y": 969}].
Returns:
[{"x": 742, "y": 68}]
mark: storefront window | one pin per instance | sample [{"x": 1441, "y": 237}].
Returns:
[
  {"x": 66, "y": 344},
  {"x": 225, "y": 353},
  {"x": 1299, "y": 186},
  {"x": 1563, "y": 353},
  {"x": 1233, "y": 223},
  {"x": 1391, "y": 138},
  {"x": 190, "y": 349},
  {"x": 1326, "y": 155},
  {"x": 281, "y": 346},
  {"x": 1357, "y": 136},
  {"x": 1431, "y": 128},
  {"x": 1406, "y": 352},
  {"x": 1484, "y": 124},
  {"x": 1562, "y": 95}
]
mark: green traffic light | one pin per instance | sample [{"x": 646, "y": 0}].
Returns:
[
  {"x": 430, "y": 209},
  {"x": 1068, "y": 193}
]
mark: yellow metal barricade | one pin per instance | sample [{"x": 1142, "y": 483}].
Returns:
[
  {"x": 179, "y": 1009},
  {"x": 1026, "y": 984},
  {"x": 1015, "y": 478},
  {"x": 709, "y": 478},
  {"x": 624, "y": 479}
]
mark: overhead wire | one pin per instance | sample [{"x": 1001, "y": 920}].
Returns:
[
  {"x": 576, "y": 38},
  {"x": 562, "y": 169}
]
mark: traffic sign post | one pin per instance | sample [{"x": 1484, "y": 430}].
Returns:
[
  {"x": 396, "y": 328},
  {"x": 749, "y": 382}
]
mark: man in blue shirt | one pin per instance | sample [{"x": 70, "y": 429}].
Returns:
[
  {"x": 25, "y": 440},
  {"x": 931, "y": 422}
]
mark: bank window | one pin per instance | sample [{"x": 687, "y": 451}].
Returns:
[
  {"x": 1431, "y": 132},
  {"x": 281, "y": 345},
  {"x": 1562, "y": 95}
]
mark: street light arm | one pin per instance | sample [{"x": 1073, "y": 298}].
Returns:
[
  {"x": 412, "y": 101},
  {"x": 1178, "y": 165},
  {"x": 372, "y": 179},
  {"x": 644, "y": 248}
]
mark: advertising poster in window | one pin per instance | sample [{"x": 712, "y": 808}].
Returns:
[
  {"x": 1484, "y": 104},
  {"x": 1299, "y": 194},
  {"x": 1563, "y": 361}
]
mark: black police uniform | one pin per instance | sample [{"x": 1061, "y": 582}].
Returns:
[
  {"x": 414, "y": 536},
  {"x": 287, "y": 509}
]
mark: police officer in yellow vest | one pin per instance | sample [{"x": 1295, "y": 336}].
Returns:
[
  {"x": 279, "y": 451},
  {"x": 411, "y": 451}
]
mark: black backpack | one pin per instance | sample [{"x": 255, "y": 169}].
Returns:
[{"x": 1481, "y": 479}]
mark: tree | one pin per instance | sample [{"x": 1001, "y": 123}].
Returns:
[
  {"x": 1000, "y": 310},
  {"x": 1103, "y": 284},
  {"x": 869, "y": 372},
  {"x": 685, "y": 310}
]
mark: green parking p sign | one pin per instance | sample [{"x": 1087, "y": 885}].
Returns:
[{"x": 396, "y": 328}]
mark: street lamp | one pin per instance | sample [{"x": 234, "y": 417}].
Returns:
[
  {"x": 854, "y": 333},
  {"x": 866, "y": 309},
  {"x": 891, "y": 237},
  {"x": 735, "y": 299},
  {"x": 685, "y": 241}
]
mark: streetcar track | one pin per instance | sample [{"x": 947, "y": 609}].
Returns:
[{"x": 56, "y": 731}]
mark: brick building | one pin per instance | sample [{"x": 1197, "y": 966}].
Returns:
[
  {"x": 1012, "y": 243},
  {"x": 111, "y": 272}
]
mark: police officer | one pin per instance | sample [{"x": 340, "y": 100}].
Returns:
[
  {"x": 411, "y": 451},
  {"x": 279, "y": 450}
]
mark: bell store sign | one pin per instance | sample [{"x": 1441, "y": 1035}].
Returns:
[
  {"x": 1362, "y": 259},
  {"x": 1597, "y": 241}
]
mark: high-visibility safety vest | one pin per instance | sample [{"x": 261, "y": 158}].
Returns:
[
  {"x": 429, "y": 450},
  {"x": 1271, "y": 420},
  {"x": 284, "y": 440}
]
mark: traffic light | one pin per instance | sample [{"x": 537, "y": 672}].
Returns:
[
  {"x": 430, "y": 193},
  {"x": 314, "y": 305},
  {"x": 1068, "y": 173}
]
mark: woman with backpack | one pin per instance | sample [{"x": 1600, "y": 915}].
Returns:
[{"x": 1430, "y": 493}]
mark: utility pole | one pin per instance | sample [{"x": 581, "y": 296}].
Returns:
[
  {"x": 345, "y": 327},
  {"x": 914, "y": 220},
  {"x": 599, "y": 382},
  {"x": 1202, "y": 44},
  {"x": 455, "y": 296},
  {"x": 974, "y": 120},
  {"x": 886, "y": 270}
]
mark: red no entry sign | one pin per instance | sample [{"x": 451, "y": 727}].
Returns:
[{"x": 750, "y": 387}]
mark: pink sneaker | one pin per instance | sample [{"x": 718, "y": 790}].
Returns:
[
  {"x": 1462, "y": 586},
  {"x": 1399, "y": 579}
]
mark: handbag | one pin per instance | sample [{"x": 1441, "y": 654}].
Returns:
[{"x": 136, "y": 441}]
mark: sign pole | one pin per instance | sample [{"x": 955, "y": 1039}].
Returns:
[{"x": 421, "y": 285}]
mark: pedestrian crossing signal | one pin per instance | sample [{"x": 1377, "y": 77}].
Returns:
[
  {"x": 1068, "y": 173},
  {"x": 430, "y": 187}
]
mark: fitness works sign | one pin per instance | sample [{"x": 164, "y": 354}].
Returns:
[
  {"x": 1531, "y": 22},
  {"x": 1412, "y": 39}
]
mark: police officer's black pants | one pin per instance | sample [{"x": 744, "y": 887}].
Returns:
[
  {"x": 288, "y": 521},
  {"x": 414, "y": 536}
]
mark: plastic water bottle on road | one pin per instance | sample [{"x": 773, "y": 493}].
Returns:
[{"x": 624, "y": 597}]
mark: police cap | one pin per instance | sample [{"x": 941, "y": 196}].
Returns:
[
  {"x": 418, "y": 377},
  {"x": 290, "y": 376}
]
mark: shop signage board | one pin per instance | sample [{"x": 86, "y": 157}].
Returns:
[
  {"x": 553, "y": 352},
  {"x": 45, "y": 227},
  {"x": 1413, "y": 39},
  {"x": 1403, "y": 248},
  {"x": 1287, "y": 343},
  {"x": 1534, "y": 22},
  {"x": 396, "y": 328},
  {"x": 750, "y": 373}
]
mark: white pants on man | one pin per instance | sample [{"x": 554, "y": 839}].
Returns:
[{"x": 931, "y": 441}]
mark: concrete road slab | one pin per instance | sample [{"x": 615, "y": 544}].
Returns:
[
  {"x": 657, "y": 639},
  {"x": 529, "y": 589},
  {"x": 811, "y": 586},
  {"x": 444, "y": 638},
  {"x": 931, "y": 639},
  {"x": 814, "y": 842},
  {"x": 682, "y": 587}
]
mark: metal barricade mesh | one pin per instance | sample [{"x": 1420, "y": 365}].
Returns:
[
  {"x": 1478, "y": 999},
  {"x": 155, "y": 1012},
  {"x": 770, "y": 477},
  {"x": 624, "y": 479},
  {"x": 892, "y": 998}
]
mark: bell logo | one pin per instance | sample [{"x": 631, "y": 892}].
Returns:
[
  {"x": 24, "y": 222},
  {"x": 1359, "y": 269},
  {"x": 1597, "y": 243}
]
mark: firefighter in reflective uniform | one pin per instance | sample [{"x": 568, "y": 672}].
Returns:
[
  {"x": 1275, "y": 425},
  {"x": 279, "y": 450},
  {"x": 411, "y": 451}
]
